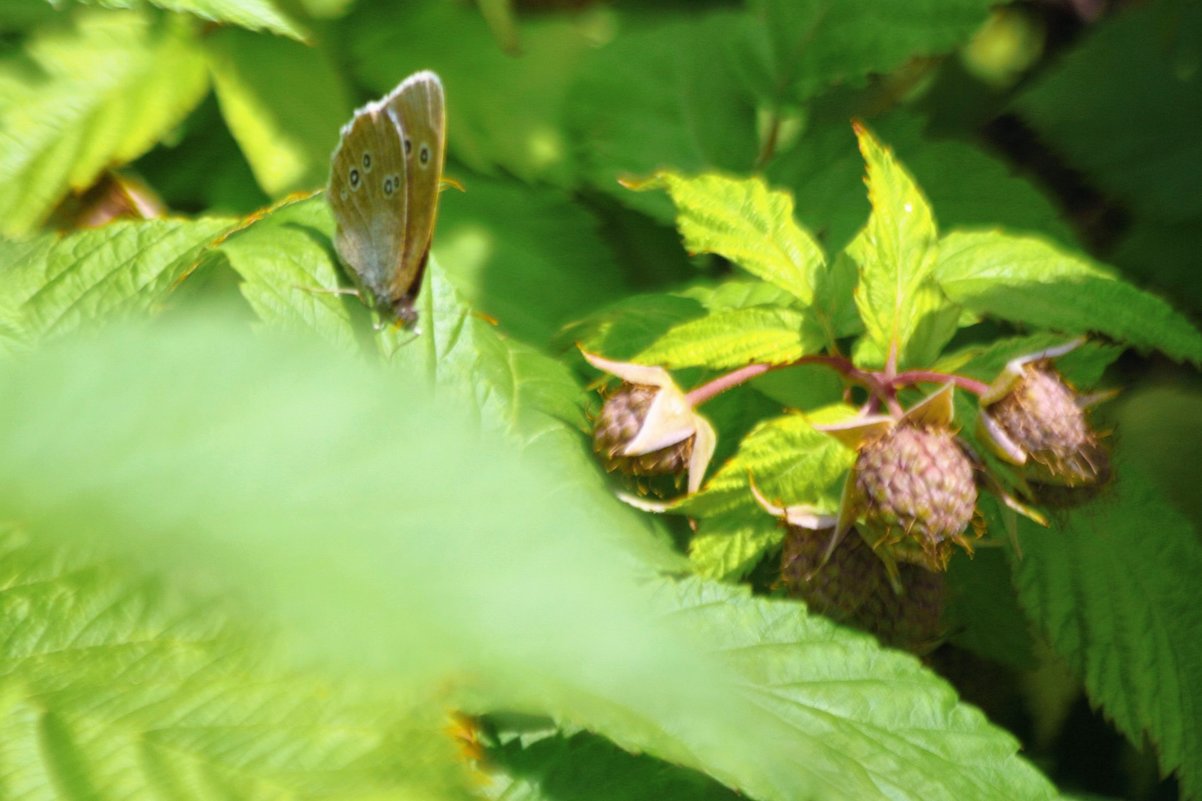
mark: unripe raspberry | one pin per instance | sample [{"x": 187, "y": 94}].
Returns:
[
  {"x": 622, "y": 418},
  {"x": 854, "y": 587},
  {"x": 912, "y": 490},
  {"x": 915, "y": 488},
  {"x": 1041, "y": 419},
  {"x": 649, "y": 426}
]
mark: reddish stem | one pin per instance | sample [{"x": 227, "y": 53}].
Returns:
[
  {"x": 931, "y": 377},
  {"x": 882, "y": 387},
  {"x": 722, "y": 383}
]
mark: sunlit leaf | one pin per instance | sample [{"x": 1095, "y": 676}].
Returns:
[
  {"x": 51, "y": 285},
  {"x": 113, "y": 686},
  {"x": 405, "y": 545},
  {"x": 257, "y": 15},
  {"x": 1028, "y": 280},
  {"x": 747, "y": 223},
  {"x": 788, "y": 460},
  {"x": 812, "y": 679},
  {"x": 732, "y": 339},
  {"x": 896, "y": 251},
  {"x": 729, "y": 546},
  {"x": 289, "y": 270},
  {"x": 100, "y": 89},
  {"x": 626, "y": 328},
  {"x": 283, "y": 102}
]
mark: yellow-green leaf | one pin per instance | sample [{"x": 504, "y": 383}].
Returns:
[
  {"x": 732, "y": 339},
  {"x": 283, "y": 102},
  {"x": 257, "y": 15},
  {"x": 896, "y": 251},
  {"x": 289, "y": 272},
  {"x": 729, "y": 546},
  {"x": 1029, "y": 280},
  {"x": 99, "y": 90},
  {"x": 52, "y": 284},
  {"x": 746, "y": 222}
]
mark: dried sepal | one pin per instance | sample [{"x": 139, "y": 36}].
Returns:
[
  {"x": 649, "y": 427},
  {"x": 1032, "y": 418},
  {"x": 1014, "y": 369}
]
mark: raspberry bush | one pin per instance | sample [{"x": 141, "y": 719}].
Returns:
[{"x": 708, "y": 473}]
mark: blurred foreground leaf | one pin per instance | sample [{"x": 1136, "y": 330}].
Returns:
[
  {"x": 388, "y": 538},
  {"x": 257, "y": 15},
  {"x": 112, "y": 686}
]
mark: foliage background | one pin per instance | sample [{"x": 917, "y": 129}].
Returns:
[{"x": 410, "y": 563}]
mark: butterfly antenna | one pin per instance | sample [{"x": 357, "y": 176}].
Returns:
[{"x": 328, "y": 290}]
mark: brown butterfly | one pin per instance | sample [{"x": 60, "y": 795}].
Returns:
[{"x": 384, "y": 182}]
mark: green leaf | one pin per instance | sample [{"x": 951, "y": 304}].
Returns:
[
  {"x": 633, "y": 324},
  {"x": 53, "y": 284},
  {"x": 968, "y": 186},
  {"x": 805, "y": 47},
  {"x": 1162, "y": 417},
  {"x": 859, "y": 721},
  {"x": 732, "y": 339},
  {"x": 805, "y": 387},
  {"x": 983, "y": 614},
  {"x": 789, "y": 461},
  {"x": 286, "y": 260},
  {"x": 1083, "y": 366},
  {"x": 528, "y": 257},
  {"x": 100, "y": 89},
  {"x": 257, "y": 15},
  {"x": 662, "y": 93},
  {"x": 738, "y": 292},
  {"x": 588, "y": 768},
  {"x": 630, "y": 326},
  {"x": 745, "y": 222},
  {"x": 729, "y": 546},
  {"x": 385, "y": 536},
  {"x": 834, "y": 299},
  {"x": 896, "y": 251},
  {"x": 1112, "y": 588},
  {"x": 1142, "y": 144},
  {"x": 511, "y": 388},
  {"x": 259, "y": 83},
  {"x": 202, "y": 167},
  {"x": 114, "y": 687},
  {"x": 1028, "y": 280},
  {"x": 504, "y": 114},
  {"x": 1161, "y": 257}
]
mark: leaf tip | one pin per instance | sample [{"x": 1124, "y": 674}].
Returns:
[{"x": 643, "y": 184}]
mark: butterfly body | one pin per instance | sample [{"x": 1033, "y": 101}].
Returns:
[{"x": 383, "y": 192}]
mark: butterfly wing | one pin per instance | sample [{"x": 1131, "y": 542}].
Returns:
[
  {"x": 368, "y": 196},
  {"x": 419, "y": 108}
]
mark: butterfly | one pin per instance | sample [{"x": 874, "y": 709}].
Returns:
[{"x": 384, "y": 182}]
